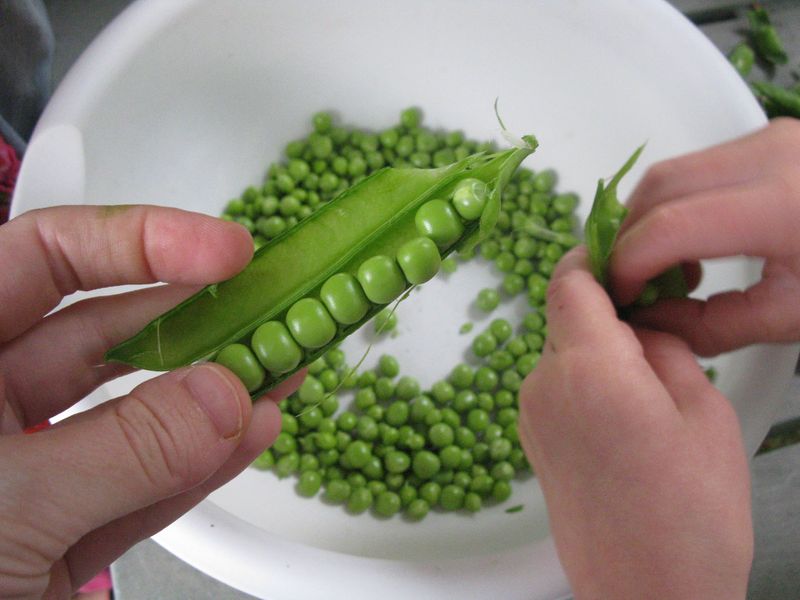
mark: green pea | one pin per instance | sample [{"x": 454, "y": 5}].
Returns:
[
  {"x": 337, "y": 490},
  {"x": 343, "y": 297},
  {"x": 437, "y": 220},
  {"x": 420, "y": 408},
  {"x": 407, "y": 388},
  {"x": 239, "y": 359},
  {"x": 264, "y": 461},
  {"x": 311, "y": 418},
  {"x": 287, "y": 464},
  {"x": 462, "y": 376},
  {"x": 411, "y": 117},
  {"x": 441, "y": 435},
  {"x": 465, "y": 437},
  {"x": 425, "y": 464},
  {"x": 385, "y": 321},
  {"x": 384, "y": 388},
  {"x": 430, "y": 491},
  {"x": 388, "y": 365},
  {"x": 360, "y": 500},
  {"x": 419, "y": 259},
  {"x": 469, "y": 198},
  {"x": 381, "y": 279},
  {"x": 465, "y": 401},
  {"x": 500, "y": 359},
  {"x": 310, "y": 324},
  {"x": 389, "y": 434},
  {"x": 397, "y": 414},
  {"x": 387, "y": 504},
  {"x": 417, "y": 509},
  {"x": 443, "y": 392},
  {"x": 308, "y": 462},
  {"x": 502, "y": 471},
  {"x": 488, "y": 299},
  {"x": 513, "y": 284},
  {"x": 397, "y": 462},
  {"x": 450, "y": 457},
  {"x": 365, "y": 397},
  {"x": 527, "y": 363},
  {"x": 309, "y": 483},
  {"x": 505, "y": 261},
  {"x": 472, "y": 502},
  {"x": 544, "y": 181},
  {"x": 484, "y": 344},
  {"x": 373, "y": 469},
  {"x": 452, "y": 497},
  {"x": 501, "y": 329},
  {"x": 367, "y": 428},
  {"x": 742, "y": 57},
  {"x": 275, "y": 347},
  {"x": 478, "y": 420},
  {"x": 285, "y": 443}
]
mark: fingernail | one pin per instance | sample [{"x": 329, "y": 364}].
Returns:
[{"x": 218, "y": 398}]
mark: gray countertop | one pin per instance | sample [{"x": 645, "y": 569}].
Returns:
[{"x": 147, "y": 571}]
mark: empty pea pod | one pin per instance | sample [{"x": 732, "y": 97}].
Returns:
[{"x": 294, "y": 277}]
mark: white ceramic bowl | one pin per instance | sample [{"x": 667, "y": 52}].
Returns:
[{"x": 185, "y": 102}]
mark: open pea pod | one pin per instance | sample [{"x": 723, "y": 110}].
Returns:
[{"x": 315, "y": 284}]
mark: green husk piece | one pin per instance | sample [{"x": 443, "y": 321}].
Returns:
[{"x": 601, "y": 230}]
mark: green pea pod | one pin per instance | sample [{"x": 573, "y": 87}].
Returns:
[
  {"x": 742, "y": 58},
  {"x": 601, "y": 229},
  {"x": 778, "y": 101},
  {"x": 765, "y": 38},
  {"x": 374, "y": 218}
]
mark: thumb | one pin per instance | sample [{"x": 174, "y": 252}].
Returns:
[{"x": 167, "y": 436}]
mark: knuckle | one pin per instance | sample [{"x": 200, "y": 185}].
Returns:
[
  {"x": 158, "y": 444},
  {"x": 658, "y": 176}
]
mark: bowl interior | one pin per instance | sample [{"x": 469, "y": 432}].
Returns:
[{"x": 187, "y": 104}]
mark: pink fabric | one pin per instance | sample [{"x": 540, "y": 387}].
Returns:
[{"x": 101, "y": 581}]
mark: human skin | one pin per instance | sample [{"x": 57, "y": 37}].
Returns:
[
  {"x": 639, "y": 457},
  {"x": 75, "y": 496}
]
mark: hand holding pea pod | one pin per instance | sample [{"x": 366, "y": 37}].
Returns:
[
  {"x": 639, "y": 457},
  {"x": 77, "y": 495},
  {"x": 739, "y": 198}
]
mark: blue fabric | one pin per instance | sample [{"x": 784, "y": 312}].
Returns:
[{"x": 26, "y": 56}]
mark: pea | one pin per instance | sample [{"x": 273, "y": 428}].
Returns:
[
  {"x": 407, "y": 388},
  {"x": 500, "y": 359},
  {"x": 443, "y": 392},
  {"x": 384, "y": 388},
  {"x": 309, "y": 483},
  {"x": 501, "y": 329},
  {"x": 430, "y": 492},
  {"x": 452, "y": 497},
  {"x": 411, "y": 117},
  {"x": 388, "y": 365},
  {"x": 425, "y": 464},
  {"x": 450, "y": 456},
  {"x": 544, "y": 181},
  {"x": 311, "y": 391},
  {"x": 462, "y": 376},
  {"x": 397, "y": 414},
  {"x": 517, "y": 346},
  {"x": 337, "y": 490},
  {"x": 387, "y": 504},
  {"x": 525, "y": 247},
  {"x": 417, "y": 509},
  {"x": 381, "y": 279},
  {"x": 437, "y": 220},
  {"x": 484, "y": 344},
  {"x": 398, "y": 462},
  {"x": 465, "y": 401},
  {"x": 478, "y": 420},
  {"x": 419, "y": 259},
  {"x": 343, "y": 297},
  {"x": 270, "y": 227},
  {"x": 441, "y": 435},
  {"x": 360, "y": 500},
  {"x": 239, "y": 359},
  {"x": 513, "y": 284},
  {"x": 311, "y": 418},
  {"x": 488, "y": 299},
  {"x": 275, "y": 347},
  {"x": 469, "y": 198},
  {"x": 385, "y": 321},
  {"x": 527, "y": 363},
  {"x": 420, "y": 408},
  {"x": 310, "y": 323},
  {"x": 285, "y": 443},
  {"x": 264, "y": 461}
]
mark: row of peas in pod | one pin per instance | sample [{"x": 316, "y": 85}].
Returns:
[
  {"x": 396, "y": 448},
  {"x": 344, "y": 299}
]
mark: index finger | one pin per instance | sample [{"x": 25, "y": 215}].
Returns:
[
  {"x": 579, "y": 312},
  {"x": 48, "y": 254}
]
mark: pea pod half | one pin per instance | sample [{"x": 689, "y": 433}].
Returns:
[{"x": 313, "y": 285}]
